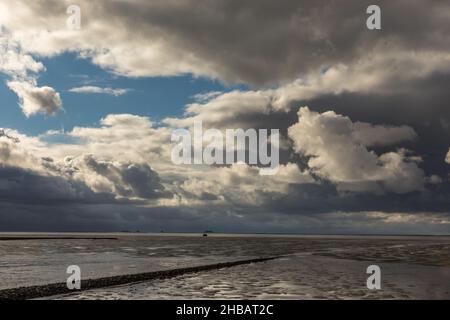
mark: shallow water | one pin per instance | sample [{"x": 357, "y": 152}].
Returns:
[
  {"x": 292, "y": 277},
  {"x": 311, "y": 267}
]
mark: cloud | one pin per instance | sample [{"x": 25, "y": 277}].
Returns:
[
  {"x": 34, "y": 100},
  {"x": 337, "y": 151},
  {"x": 12, "y": 155},
  {"x": 374, "y": 135},
  {"x": 372, "y": 77},
  {"x": 113, "y": 177},
  {"x": 13, "y": 61},
  {"x": 206, "y": 96},
  {"x": 345, "y": 169},
  {"x": 240, "y": 184},
  {"x": 447, "y": 158},
  {"x": 18, "y": 65},
  {"x": 308, "y": 50},
  {"x": 126, "y": 120},
  {"x": 81, "y": 179},
  {"x": 256, "y": 42},
  {"x": 9, "y": 137},
  {"x": 19, "y": 185},
  {"x": 93, "y": 89},
  {"x": 129, "y": 180},
  {"x": 24, "y": 178}
]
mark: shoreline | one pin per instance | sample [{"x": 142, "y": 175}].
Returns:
[
  {"x": 7, "y": 236},
  {"x": 55, "y": 238},
  {"x": 41, "y": 291}
]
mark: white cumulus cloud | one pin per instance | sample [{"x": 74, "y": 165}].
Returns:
[
  {"x": 94, "y": 89},
  {"x": 338, "y": 151},
  {"x": 34, "y": 99}
]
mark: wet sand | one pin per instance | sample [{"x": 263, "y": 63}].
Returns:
[
  {"x": 293, "y": 277},
  {"x": 52, "y": 238},
  {"x": 61, "y": 288},
  {"x": 311, "y": 267}
]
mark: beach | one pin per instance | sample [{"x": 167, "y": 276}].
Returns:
[{"x": 223, "y": 266}]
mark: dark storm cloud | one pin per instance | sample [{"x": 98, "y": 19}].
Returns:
[
  {"x": 26, "y": 179},
  {"x": 18, "y": 185},
  {"x": 310, "y": 215},
  {"x": 315, "y": 199},
  {"x": 255, "y": 42},
  {"x": 128, "y": 179},
  {"x": 264, "y": 41}
]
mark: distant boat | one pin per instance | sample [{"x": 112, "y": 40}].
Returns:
[{"x": 205, "y": 234}]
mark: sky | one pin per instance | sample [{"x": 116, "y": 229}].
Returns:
[
  {"x": 88, "y": 111},
  {"x": 155, "y": 97}
]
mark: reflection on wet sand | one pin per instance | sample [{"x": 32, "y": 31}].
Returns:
[{"x": 312, "y": 267}]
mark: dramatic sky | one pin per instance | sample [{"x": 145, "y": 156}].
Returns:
[{"x": 87, "y": 115}]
